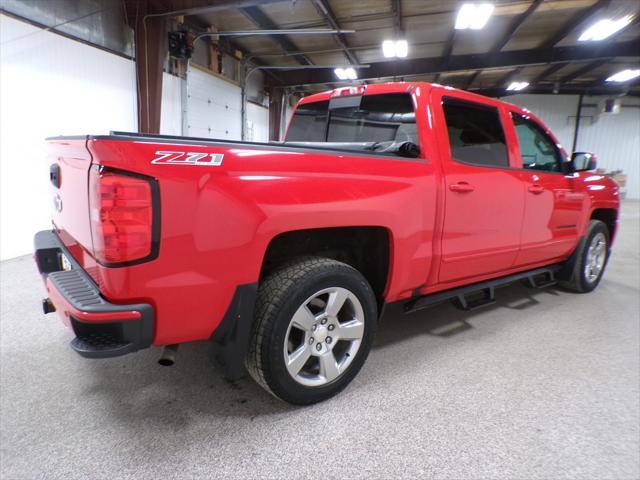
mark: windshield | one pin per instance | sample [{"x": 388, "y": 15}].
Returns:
[{"x": 371, "y": 118}]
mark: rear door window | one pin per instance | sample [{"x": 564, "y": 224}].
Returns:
[{"x": 475, "y": 133}]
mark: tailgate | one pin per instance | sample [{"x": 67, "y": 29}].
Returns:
[{"x": 69, "y": 163}]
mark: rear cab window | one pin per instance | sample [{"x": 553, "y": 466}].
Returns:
[
  {"x": 378, "y": 120},
  {"x": 309, "y": 122},
  {"x": 381, "y": 118}
]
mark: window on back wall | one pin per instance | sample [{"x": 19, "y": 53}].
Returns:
[{"x": 475, "y": 134}]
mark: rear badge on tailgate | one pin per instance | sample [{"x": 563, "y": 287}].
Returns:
[{"x": 188, "y": 158}]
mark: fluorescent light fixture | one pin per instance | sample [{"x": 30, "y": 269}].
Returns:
[
  {"x": 395, "y": 48},
  {"x": 624, "y": 76},
  {"x": 473, "y": 16},
  {"x": 604, "y": 29},
  {"x": 389, "y": 48},
  {"x": 345, "y": 73},
  {"x": 402, "y": 48},
  {"x": 516, "y": 86}
]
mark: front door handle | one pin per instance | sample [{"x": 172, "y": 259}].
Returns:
[
  {"x": 461, "y": 187},
  {"x": 536, "y": 189}
]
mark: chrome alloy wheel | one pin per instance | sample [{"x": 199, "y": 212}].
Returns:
[
  {"x": 324, "y": 336},
  {"x": 596, "y": 256}
]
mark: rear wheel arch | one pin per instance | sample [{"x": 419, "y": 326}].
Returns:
[{"x": 368, "y": 249}]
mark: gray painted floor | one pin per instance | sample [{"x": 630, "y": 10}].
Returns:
[{"x": 545, "y": 384}]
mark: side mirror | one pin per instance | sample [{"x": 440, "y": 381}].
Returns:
[{"x": 583, "y": 161}]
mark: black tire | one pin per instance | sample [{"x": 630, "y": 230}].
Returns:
[
  {"x": 280, "y": 295},
  {"x": 578, "y": 281}
]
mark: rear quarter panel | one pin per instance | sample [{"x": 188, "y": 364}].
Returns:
[{"x": 216, "y": 222}]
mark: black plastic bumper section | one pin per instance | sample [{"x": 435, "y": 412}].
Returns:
[{"x": 94, "y": 339}]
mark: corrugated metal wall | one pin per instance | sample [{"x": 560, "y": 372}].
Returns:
[
  {"x": 614, "y": 138},
  {"x": 557, "y": 111}
]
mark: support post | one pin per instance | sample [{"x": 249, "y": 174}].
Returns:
[
  {"x": 150, "y": 52},
  {"x": 275, "y": 112},
  {"x": 577, "y": 125}
]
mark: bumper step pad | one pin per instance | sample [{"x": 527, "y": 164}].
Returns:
[{"x": 100, "y": 344}]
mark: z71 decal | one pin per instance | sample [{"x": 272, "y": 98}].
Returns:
[{"x": 189, "y": 158}]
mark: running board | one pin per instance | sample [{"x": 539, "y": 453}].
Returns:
[
  {"x": 543, "y": 280},
  {"x": 466, "y": 298}
]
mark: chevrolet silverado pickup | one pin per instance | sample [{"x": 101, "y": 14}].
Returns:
[{"x": 284, "y": 254}]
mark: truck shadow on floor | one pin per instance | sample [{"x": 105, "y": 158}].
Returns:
[
  {"x": 194, "y": 389},
  {"x": 445, "y": 320}
]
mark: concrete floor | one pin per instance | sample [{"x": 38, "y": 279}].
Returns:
[{"x": 545, "y": 384}]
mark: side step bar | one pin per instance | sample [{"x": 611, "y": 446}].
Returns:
[{"x": 471, "y": 297}]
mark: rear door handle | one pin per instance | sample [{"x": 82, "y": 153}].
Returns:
[
  {"x": 536, "y": 189},
  {"x": 54, "y": 174},
  {"x": 461, "y": 187}
]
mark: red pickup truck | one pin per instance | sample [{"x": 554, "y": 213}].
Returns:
[{"x": 285, "y": 254}]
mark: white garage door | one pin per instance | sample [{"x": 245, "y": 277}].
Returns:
[
  {"x": 213, "y": 107},
  {"x": 257, "y": 123}
]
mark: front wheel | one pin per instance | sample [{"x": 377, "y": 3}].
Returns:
[
  {"x": 591, "y": 259},
  {"x": 315, "y": 322}
]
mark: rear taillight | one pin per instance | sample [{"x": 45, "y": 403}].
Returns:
[{"x": 123, "y": 220}]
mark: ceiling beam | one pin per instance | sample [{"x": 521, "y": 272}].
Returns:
[
  {"x": 548, "y": 72},
  {"x": 324, "y": 9},
  {"x": 581, "y": 71},
  {"x": 205, "y": 9},
  {"x": 262, "y": 21},
  {"x": 574, "y": 90},
  {"x": 396, "y": 10},
  {"x": 515, "y": 25},
  {"x": 511, "y": 58},
  {"x": 574, "y": 22},
  {"x": 504, "y": 81},
  {"x": 472, "y": 78}
]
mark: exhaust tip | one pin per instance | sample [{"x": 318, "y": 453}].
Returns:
[
  {"x": 168, "y": 357},
  {"x": 166, "y": 362},
  {"x": 48, "y": 306}
]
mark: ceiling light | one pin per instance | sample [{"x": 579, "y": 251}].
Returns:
[
  {"x": 624, "y": 76},
  {"x": 389, "y": 48},
  {"x": 395, "y": 48},
  {"x": 516, "y": 86},
  {"x": 402, "y": 48},
  {"x": 473, "y": 16},
  {"x": 345, "y": 73},
  {"x": 604, "y": 28}
]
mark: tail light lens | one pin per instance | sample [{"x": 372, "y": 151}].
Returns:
[{"x": 123, "y": 216}]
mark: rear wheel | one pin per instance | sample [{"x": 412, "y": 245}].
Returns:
[
  {"x": 315, "y": 322},
  {"x": 590, "y": 260}
]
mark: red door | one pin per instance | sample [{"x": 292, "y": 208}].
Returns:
[
  {"x": 484, "y": 196},
  {"x": 554, "y": 202}
]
